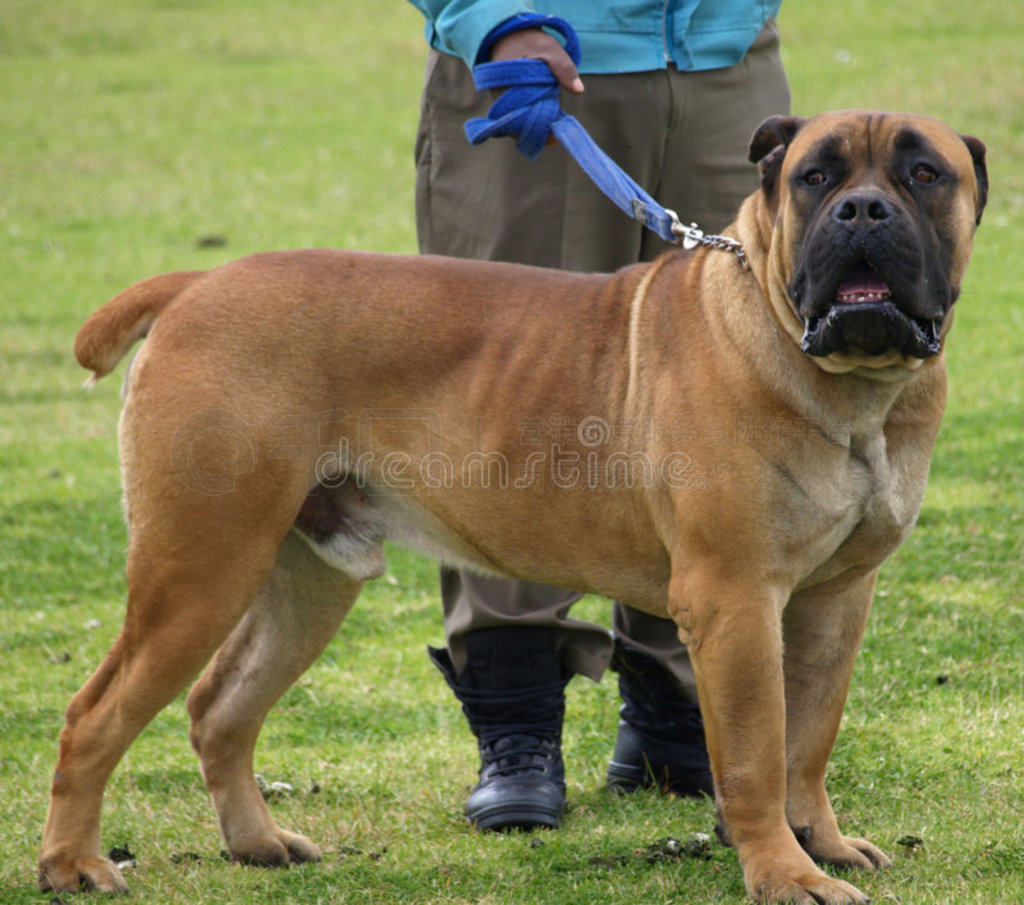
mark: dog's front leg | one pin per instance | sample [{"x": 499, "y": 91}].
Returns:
[
  {"x": 823, "y": 629},
  {"x": 734, "y": 633}
]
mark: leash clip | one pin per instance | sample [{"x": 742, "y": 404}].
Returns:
[
  {"x": 688, "y": 236},
  {"x": 691, "y": 236}
]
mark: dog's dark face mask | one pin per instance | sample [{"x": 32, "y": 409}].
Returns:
[{"x": 876, "y": 264}]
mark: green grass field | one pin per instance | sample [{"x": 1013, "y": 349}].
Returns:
[{"x": 140, "y": 136}]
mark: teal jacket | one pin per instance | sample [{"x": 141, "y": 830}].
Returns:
[{"x": 616, "y": 35}]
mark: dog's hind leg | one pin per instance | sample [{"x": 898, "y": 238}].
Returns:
[
  {"x": 187, "y": 591},
  {"x": 293, "y": 618}
]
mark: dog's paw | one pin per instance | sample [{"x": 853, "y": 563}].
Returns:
[
  {"x": 848, "y": 851},
  {"x": 300, "y": 849},
  {"x": 93, "y": 874},
  {"x": 792, "y": 878},
  {"x": 809, "y": 889},
  {"x": 277, "y": 850}
]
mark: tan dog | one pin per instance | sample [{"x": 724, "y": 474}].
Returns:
[{"x": 747, "y": 446}]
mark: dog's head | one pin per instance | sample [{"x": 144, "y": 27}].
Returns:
[{"x": 868, "y": 219}]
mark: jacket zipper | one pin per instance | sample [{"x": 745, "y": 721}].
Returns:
[{"x": 664, "y": 31}]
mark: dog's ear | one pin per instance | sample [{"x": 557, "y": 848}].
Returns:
[
  {"x": 977, "y": 148},
  {"x": 768, "y": 146}
]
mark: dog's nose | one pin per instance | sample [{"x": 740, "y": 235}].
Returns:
[{"x": 862, "y": 210}]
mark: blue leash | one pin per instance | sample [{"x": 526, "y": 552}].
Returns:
[{"x": 528, "y": 108}]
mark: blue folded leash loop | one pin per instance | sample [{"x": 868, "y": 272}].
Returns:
[
  {"x": 529, "y": 109},
  {"x": 529, "y": 105}
]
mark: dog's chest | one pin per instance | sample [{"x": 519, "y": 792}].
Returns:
[{"x": 852, "y": 509}]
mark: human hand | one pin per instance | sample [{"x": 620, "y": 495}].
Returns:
[{"x": 537, "y": 44}]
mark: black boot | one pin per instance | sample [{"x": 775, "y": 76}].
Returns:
[
  {"x": 661, "y": 734},
  {"x": 512, "y": 693}
]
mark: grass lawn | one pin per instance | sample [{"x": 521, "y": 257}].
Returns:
[{"x": 141, "y": 136}]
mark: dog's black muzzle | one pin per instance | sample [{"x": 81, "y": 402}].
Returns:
[{"x": 865, "y": 288}]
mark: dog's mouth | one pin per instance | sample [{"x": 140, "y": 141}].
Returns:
[{"x": 863, "y": 317}]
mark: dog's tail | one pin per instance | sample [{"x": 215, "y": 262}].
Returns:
[{"x": 105, "y": 338}]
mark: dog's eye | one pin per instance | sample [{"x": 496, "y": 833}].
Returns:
[
  {"x": 815, "y": 177},
  {"x": 923, "y": 173}
]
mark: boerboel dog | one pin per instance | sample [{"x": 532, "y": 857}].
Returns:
[{"x": 753, "y": 441}]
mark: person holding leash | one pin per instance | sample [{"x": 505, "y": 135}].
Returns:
[{"x": 672, "y": 90}]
